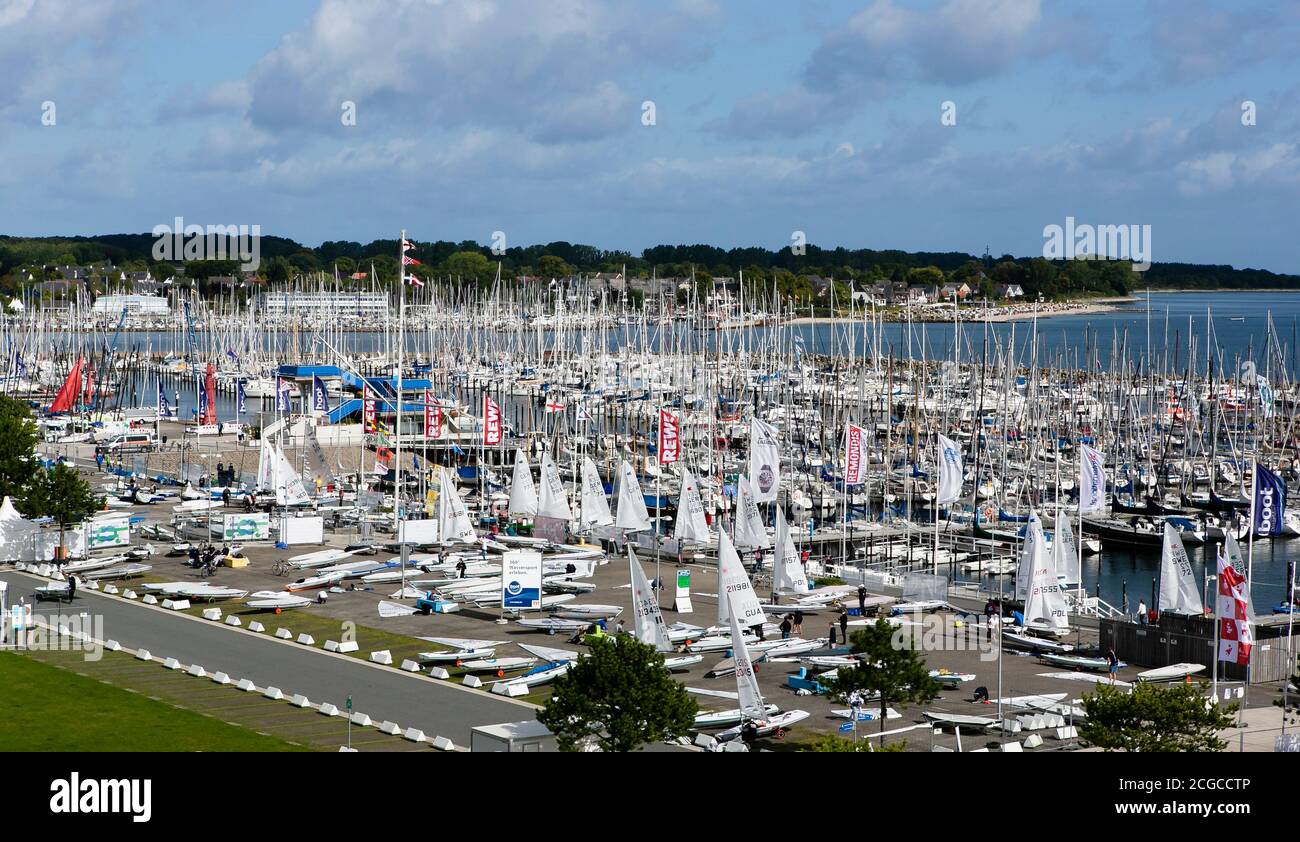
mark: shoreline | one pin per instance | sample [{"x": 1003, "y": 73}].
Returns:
[{"x": 1014, "y": 313}]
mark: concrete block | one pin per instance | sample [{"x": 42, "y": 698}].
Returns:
[
  {"x": 232, "y": 620},
  {"x": 383, "y": 656},
  {"x": 472, "y": 681},
  {"x": 246, "y": 685},
  {"x": 1033, "y": 741},
  {"x": 328, "y": 709},
  {"x": 176, "y": 604},
  {"x": 110, "y": 588},
  {"x": 300, "y": 701},
  {"x": 1012, "y": 726},
  {"x": 197, "y": 671},
  {"x": 439, "y": 672},
  {"x": 443, "y": 744},
  {"x": 415, "y": 735},
  {"x": 112, "y": 646},
  {"x": 511, "y": 690},
  {"x": 150, "y": 599},
  {"x": 331, "y": 646},
  {"x": 273, "y": 693},
  {"x": 348, "y": 646},
  {"x": 92, "y": 585},
  {"x": 143, "y": 655},
  {"x": 1068, "y": 732},
  {"x": 447, "y": 607},
  {"x": 390, "y": 727},
  {"x": 735, "y": 746},
  {"x": 705, "y": 742},
  {"x": 306, "y": 640},
  {"x": 410, "y": 666},
  {"x": 256, "y": 627},
  {"x": 284, "y": 634},
  {"x": 360, "y": 719},
  {"x": 1012, "y": 746},
  {"x": 212, "y": 613},
  {"x": 129, "y": 594},
  {"x": 345, "y": 748},
  {"x": 220, "y": 678},
  {"x": 171, "y": 664}
]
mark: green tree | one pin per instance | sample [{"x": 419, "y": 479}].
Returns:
[
  {"x": 1154, "y": 718},
  {"x": 469, "y": 266},
  {"x": 278, "y": 271},
  {"x": 61, "y": 494},
  {"x": 889, "y": 667},
  {"x": 621, "y": 696},
  {"x": 18, "y": 439},
  {"x": 550, "y": 266}
]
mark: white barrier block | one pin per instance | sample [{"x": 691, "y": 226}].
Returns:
[
  {"x": 300, "y": 701},
  {"x": 1012, "y": 726},
  {"x": 110, "y": 588},
  {"x": 129, "y": 594},
  {"x": 256, "y": 627},
  {"x": 331, "y": 646},
  {"x": 383, "y": 656},
  {"x": 1012, "y": 746},
  {"x": 472, "y": 681},
  {"x": 1055, "y": 720},
  {"x": 345, "y": 748},
  {"x": 348, "y": 646},
  {"x": 232, "y": 620},
  {"x": 705, "y": 742},
  {"x": 220, "y": 678},
  {"x": 246, "y": 685},
  {"x": 390, "y": 727},
  {"x": 447, "y": 607},
  {"x": 171, "y": 664},
  {"x": 212, "y": 613},
  {"x": 143, "y": 655},
  {"x": 1033, "y": 741},
  {"x": 410, "y": 666},
  {"x": 502, "y": 688},
  {"x": 439, "y": 672},
  {"x": 273, "y": 693},
  {"x": 284, "y": 634},
  {"x": 150, "y": 599},
  {"x": 176, "y": 604},
  {"x": 415, "y": 735},
  {"x": 112, "y": 646},
  {"x": 443, "y": 744},
  {"x": 328, "y": 709},
  {"x": 92, "y": 585},
  {"x": 306, "y": 640},
  {"x": 197, "y": 671},
  {"x": 360, "y": 719},
  {"x": 1068, "y": 732}
]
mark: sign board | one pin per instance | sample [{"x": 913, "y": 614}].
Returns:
[
  {"x": 247, "y": 527},
  {"x": 417, "y": 531},
  {"x": 108, "y": 532},
  {"x": 302, "y": 530},
  {"x": 682, "y": 598},
  {"x": 521, "y": 580}
]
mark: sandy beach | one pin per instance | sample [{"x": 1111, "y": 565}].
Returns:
[{"x": 1006, "y": 313}]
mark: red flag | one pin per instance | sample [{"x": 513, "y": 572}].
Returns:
[
  {"x": 491, "y": 421},
  {"x": 412, "y": 280},
  {"x": 1235, "y": 637},
  {"x": 410, "y": 261},
  {"x": 67, "y": 395},
  {"x": 670, "y": 442},
  {"x": 210, "y": 386}
]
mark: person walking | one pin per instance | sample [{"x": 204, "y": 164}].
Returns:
[
  {"x": 798, "y": 623},
  {"x": 1112, "y": 661},
  {"x": 862, "y": 600},
  {"x": 785, "y": 627},
  {"x": 844, "y": 624},
  {"x": 72, "y": 587}
]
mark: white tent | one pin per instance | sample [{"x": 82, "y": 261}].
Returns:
[{"x": 15, "y": 533}]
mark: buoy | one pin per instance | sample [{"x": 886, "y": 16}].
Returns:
[
  {"x": 459, "y": 662},
  {"x": 501, "y": 673},
  {"x": 277, "y": 611}
]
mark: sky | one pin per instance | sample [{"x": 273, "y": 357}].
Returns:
[{"x": 914, "y": 124}]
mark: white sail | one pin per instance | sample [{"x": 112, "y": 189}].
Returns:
[
  {"x": 595, "y": 505},
  {"x": 1065, "y": 552},
  {"x": 690, "y": 524},
  {"x": 453, "y": 518},
  {"x": 315, "y": 466},
  {"x": 1178, "y": 591},
  {"x": 751, "y": 699},
  {"x": 1045, "y": 603},
  {"x": 734, "y": 589},
  {"x": 647, "y": 620},
  {"x": 554, "y": 502},
  {"x": 523, "y": 493},
  {"x": 1025, "y": 569},
  {"x": 764, "y": 461},
  {"x": 750, "y": 532},
  {"x": 266, "y": 466},
  {"x": 788, "y": 571},
  {"x": 289, "y": 490},
  {"x": 632, "y": 514}
]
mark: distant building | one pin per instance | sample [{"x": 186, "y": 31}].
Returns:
[
  {"x": 343, "y": 303},
  {"x": 135, "y": 305},
  {"x": 1010, "y": 291}
]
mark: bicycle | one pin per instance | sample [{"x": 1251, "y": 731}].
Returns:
[{"x": 281, "y": 567}]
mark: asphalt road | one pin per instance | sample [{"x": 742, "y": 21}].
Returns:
[{"x": 382, "y": 693}]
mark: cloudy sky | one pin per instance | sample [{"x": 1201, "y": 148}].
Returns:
[{"x": 529, "y": 117}]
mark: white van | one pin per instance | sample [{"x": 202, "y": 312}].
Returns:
[{"x": 135, "y": 441}]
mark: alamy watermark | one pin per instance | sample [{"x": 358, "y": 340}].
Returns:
[
  {"x": 939, "y": 633},
  {"x": 55, "y": 633},
  {"x": 1098, "y": 242},
  {"x": 212, "y": 242}
]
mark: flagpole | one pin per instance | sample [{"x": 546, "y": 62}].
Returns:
[
  {"x": 401, "y": 339},
  {"x": 1214, "y": 669}
]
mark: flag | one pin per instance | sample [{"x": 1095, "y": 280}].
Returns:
[
  {"x": 670, "y": 443},
  {"x": 1269, "y": 502},
  {"x": 369, "y": 410},
  {"x": 202, "y": 395},
  {"x": 855, "y": 462},
  {"x": 164, "y": 409},
  {"x": 491, "y": 421},
  {"x": 951, "y": 474},
  {"x": 320, "y": 401},
  {"x": 764, "y": 461},
  {"x": 1235, "y": 637},
  {"x": 209, "y": 415},
  {"x": 553, "y": 406},
  {"x": 240, "y": 397},
  {"x": 584, "y": 415},
  {"x": 1092, "y": 480},
  {"x": 407, "y": 245},
  {"x": 282, "y": 395},
  {"x": 409, "y": 261},
  {"x": 412, "y": 280},
  {"x": 432, "y": 417}
]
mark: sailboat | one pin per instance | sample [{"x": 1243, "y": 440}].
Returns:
[
  {"x": 753, "y": 711},
  {"x": 648, "y": 621}
]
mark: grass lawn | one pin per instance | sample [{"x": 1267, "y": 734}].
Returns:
[{"x": 54, "y": 709}]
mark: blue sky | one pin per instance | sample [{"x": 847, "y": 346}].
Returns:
[{"x": 526, "y": 118}]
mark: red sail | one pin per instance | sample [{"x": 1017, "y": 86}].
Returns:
[
  {"x": 210, "y": 386},
  {"x": 67, "y": 395}
]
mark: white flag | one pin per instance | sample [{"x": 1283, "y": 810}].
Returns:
[
  {"x": 1092, "y": 480},
  {"x": 632, "y": 514},
  {"x": 950, "y": 471},
  {"x": 764, "y": 461},
  {"x": 647, "y": 620},
  {"x": 523, "y": 493},
  {"x": 1178, "y": 591}
]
